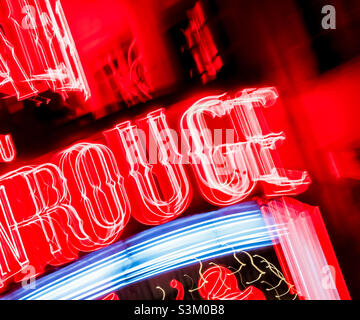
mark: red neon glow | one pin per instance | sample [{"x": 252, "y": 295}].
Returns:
[
  {"x": 7, "y": 148},
  {"x": 229, "y": 172},
  {"x": 125, "y": 74},
  {"x": 202, "y": 45},
  {"x": 42, "y": 224},
  {"x": 50, "y": 213},
  {"x": 305, "y": 251},
  {"x": 219, "y": 283},
  {"x": 13, "y": 79},
  {"x": 97, "y": 193},
  {"x": 163, "y": 189},
  {"x": 37, "y": 50},
  {"x": 111, "y": 296},
  {"x": 179, "y": 287},
  {"x": 38, "y": 225}
]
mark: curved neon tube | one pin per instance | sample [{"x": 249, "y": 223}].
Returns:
[{"x": 163, "y": 248}]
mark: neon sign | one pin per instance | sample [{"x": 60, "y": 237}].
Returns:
[
  {"x": 202, "y": 237},
  {"x": 228, "y": 173},
  {"x": 219, "y": 283},
  {"x": 37, "y": 51},
  {"x": 7, "y": 148},
  {"x": 51, "y": 212},
  {"x": 171, "y": 176},
  {"x": 202, "y": 45}
]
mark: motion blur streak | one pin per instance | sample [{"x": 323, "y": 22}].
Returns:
[
  {"x": 155, "y": 251},
  {"x": 307, "y": 249}
]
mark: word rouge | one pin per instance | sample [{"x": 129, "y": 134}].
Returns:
[{"x": 79, "y": 202}]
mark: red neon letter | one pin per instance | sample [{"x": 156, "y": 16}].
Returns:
[
  {"x": 229, "y": 172},
  {"x": 97, "y": 193},
  {"x": 35, "y": 212},
  {"x": 12, "y": 75},
  {"x": 163, "y": 185},
  {"x": 38, "y": 52}
]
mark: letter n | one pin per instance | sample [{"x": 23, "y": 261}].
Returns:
[{"x": 13, "y": 257}]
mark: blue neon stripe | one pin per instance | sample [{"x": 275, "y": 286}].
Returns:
[{"x": 163, "y": 248}]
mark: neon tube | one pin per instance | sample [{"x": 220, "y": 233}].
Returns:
[{"x": 163, "y": 248}]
